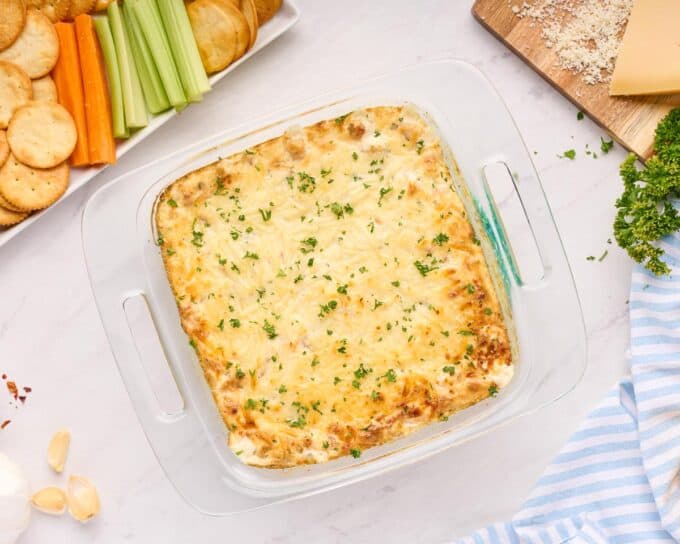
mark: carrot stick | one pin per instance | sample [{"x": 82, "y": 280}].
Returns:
[
  {"x": 102, "y": 146},
  {"x": 66, "y": 75}
]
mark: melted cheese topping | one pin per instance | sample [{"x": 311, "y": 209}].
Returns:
[{"x": 333, "y": 288}]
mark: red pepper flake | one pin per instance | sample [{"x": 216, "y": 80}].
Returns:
[
  {"x": 22, "y": 398},
  {"x": 5, "y": 423},
  {"x": 12, "y": 388},
  {"x": 4, "y": 376},
  {"x": 27, "y": 389}
]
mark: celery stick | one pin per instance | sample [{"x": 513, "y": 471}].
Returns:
[
  {"x": 154, "y": 93},
  {"x": 184, "y": 49},
  {"x": 133, "y": 99},
  {"x": 101, "y": 25},
  {"x": 149, "y": 20}
]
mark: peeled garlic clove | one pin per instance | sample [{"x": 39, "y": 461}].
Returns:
[
  {"x": 83, "y": 500},
  {"x": 58, "y": 450},
  {"x": 51, "y": 500}
]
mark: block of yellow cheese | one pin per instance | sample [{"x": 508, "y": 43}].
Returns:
[{"x": 649, "y": 56}]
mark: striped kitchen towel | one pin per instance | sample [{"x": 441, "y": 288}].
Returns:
[{"x": 618, "y": 478}]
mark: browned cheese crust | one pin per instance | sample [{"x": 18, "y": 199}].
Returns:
[{"x": 333, "y": 288}]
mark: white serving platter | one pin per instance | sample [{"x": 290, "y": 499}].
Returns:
[{"x": 284, "y": 19}]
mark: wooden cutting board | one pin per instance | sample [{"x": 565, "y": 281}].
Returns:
[{"x": 631, "y": 121}]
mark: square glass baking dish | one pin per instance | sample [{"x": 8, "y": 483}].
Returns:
[{"x": 497, "y": 182}]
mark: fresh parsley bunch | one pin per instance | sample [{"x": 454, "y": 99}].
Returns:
[{"x": 646, "y": 209}]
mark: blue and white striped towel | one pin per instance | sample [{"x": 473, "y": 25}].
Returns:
[{"x": 618, "y": 478}]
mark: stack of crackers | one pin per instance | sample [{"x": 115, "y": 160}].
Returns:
[{"x": 37, "y": 135}]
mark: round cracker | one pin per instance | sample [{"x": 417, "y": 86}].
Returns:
[
  {"x": 42, "y": 134},
  {"x": 80, "y": 6},
  {"x": 4, "y": 147},
  {"x": 28, "y": 188},
  {"x": 240, "y": 25},
  {"x": 44, "y": 89},
  {"x": 8, "y": 205},
  {"x": 247, "y": 7},
  {"x": 215, "y": 34},
  {"x": 266, "y": 9},
  {"x": 12, "y": 21},
  {"x": 36, "y": 50},
  {"x": 9, "y": 217},
  {"x": 15, "y": 91},
  {"x": 55, "y": 10}
]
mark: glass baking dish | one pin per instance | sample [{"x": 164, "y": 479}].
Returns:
[{"x": 495, "y": 177}]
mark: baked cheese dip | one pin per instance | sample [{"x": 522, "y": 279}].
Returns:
[{"x": 333, "y": 288}]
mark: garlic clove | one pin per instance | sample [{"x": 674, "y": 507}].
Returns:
[
  {"x": 83, "y": 500},
  {"x": 58, "y": 450},
  {"x": 50, "y": 500}
]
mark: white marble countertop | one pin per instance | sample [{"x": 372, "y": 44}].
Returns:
[{"x": 51, "y": 338}]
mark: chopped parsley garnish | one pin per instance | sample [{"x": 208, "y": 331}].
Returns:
[
  {"x": 220, "y": 189},
  {"x": 470, "y": 288},
  {"x": 299, "y": 422},
  {"x": 197, "y": 236},
  {"x": 269, "y": 329},
  {"x": 375, "y": 395},
  {"x": 239, "y": 373},
  {"x": 266, "y": 214},
  {"x": 605, "y": 146},
  {"x": 298, "y": 278},
  {"x": 355, "y": 453},
  {"x": 580, "y": 116},
  {"x": 315, "y": 406},
  {"x": 283, "y": 389},
  {"x": 568, "y": 154},
  {"x": 362, "y": 371},
  {"x": 172, "y": 203},
  {"x": 192, "y": 343},
  {"x": 234, "y": 234},
  {"x": 315, "y": 361},
  {"x": 342, "y": 289},
  {"x": 355, "y": 156},
  {"x": 384, "y": 191},
  {"x": 325, "y": 444},
  {"x": 424, "y": 269},
  {"x": 419, "y": 146},
  {"x": 250, "y": 404},
  {"x": 309, "y": 243},
  {"x": 336, "y": 380},
  {"x": 220, "y": 325},
  {"x": 306, "y": 183},
  {"x": 363, "y": 269},
  {"x": 440, "y": 239},
  {"x": 488, "y": 311},
  {"x": 493, "y": 390},
  {"x": 327, "y": 308},
  {"x": 451, "y": 370},
  {"x": 466, "y": 332},
  {"x": 250, "y": 255},
  {"x": 326, "y": 172},
  {"x": 235, "y": 323},
  {"x": 391, "y": 375},
  {"x": 604, "y": 255},
  {"x": 396, "y": 283}
]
